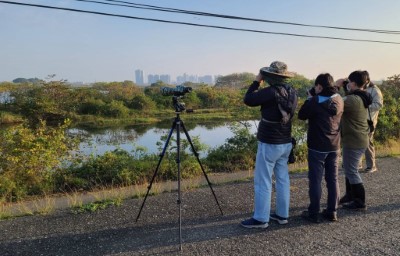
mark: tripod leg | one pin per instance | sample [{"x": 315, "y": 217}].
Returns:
[
  {"x": 201, "y": 166},
  {"x": 158, "y": 166},
  {"x": 178, "y": 161}
]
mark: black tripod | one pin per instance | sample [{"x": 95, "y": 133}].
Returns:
[{"x": 177, "y": 124}]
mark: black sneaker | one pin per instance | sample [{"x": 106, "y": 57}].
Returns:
[
  {"x": 279, "y": 219},
  {"x": 313, "y": 217},
  {"x": 253, "y": 223},
  {"x": 355, "y": 206},
  {"x": 345, "y": 199},
  {"x": 331, "y": 216}
]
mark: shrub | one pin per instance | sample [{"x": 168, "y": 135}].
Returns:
[
  {"x": 115, "y": 109},
  {"x": 29, "y": 159},
  {"x": 189, "y": 164},
  {"x": 113, "y": 168},
  {"x": 238, "y": 153},
  {"x": 91, "y": 107}
]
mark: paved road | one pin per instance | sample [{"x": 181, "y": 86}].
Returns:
[{"x": 113, "y": 231}]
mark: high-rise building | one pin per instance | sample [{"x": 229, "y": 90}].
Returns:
[
  {"x": 139, "y": 78},
  {"x": 186, "y": 78},
  {"x": 165, "y": 78},
  {"x": 207, "y": 79},
  {"x": 153, "y": 78},
  {"x": 180, "y": 79}
]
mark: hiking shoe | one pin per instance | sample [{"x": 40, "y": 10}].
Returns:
[
  {"x": 279, "y": 219},
  {"x": 331, "y": 216},
  {"x": 345, "y": 199},
  {"x": 253, "y": 223},
  {"x": 355, "y": 206},
  {"x": 370, "y": 170},
  {"x": 312, "y": 217}
]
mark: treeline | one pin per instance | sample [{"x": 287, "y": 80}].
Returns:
[
  {"x": 53, "y": 101},
  {"x": 56, "y": 100}
]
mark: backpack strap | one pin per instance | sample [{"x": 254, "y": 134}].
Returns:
[
  {"x": 285, "y": 115},
  {"x": 287, "y": 100}
]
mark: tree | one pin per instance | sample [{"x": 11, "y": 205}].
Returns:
[
  {"x": 388, "y": 126},
  {"x": 116, "y": 109},
  {"x": 236, "y": 80},
  {"x": 191, "y": 100},
  {"x": 51, "y": 101},
  {"x": 123, "y": 91},
  {"x": 301, "y": 84},
  {"x": 142, "y": 103},
  {"x": 92, "y": 106},
  {"x": 207, "y": 96},
  {"x": 24, "y": 80},
  {"x": 154, "y": 92},
  {"x": 392, "y": 85}
]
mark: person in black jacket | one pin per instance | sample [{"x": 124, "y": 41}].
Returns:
[
  {"x": 323, "y": 110},
  {"x": 278, "y": 102}
]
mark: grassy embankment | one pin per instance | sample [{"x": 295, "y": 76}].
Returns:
[{"x": 79, "y": 202}]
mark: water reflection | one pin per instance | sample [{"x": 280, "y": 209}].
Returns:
[{"x": 99, "y": 141}]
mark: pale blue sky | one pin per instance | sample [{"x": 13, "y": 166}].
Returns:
[{"x": 37, "y": 42}]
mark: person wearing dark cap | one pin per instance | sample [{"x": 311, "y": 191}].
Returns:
[
  {"x": 323, "y": 109},
  {"x": 278, "y": 102},
  {"x": 354, "y": 130},
  {"x": 377, "y": 104}
]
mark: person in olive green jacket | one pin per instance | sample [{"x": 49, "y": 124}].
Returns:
[{"x": 354, "y": 131}]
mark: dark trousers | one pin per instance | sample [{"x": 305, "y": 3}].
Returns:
[{"x": 318, "y": 164}]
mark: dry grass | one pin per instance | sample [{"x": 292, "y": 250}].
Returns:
[
  {"x": 390, "y": 148},
  {"x": 45, "y": 206},
  {"x": 74, "y": 199},
  {"x": 139, "y": 191},
  {"x": 5, "y": 212}
]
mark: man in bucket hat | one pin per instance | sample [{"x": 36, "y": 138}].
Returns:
[{"x": 278, "y": 102}]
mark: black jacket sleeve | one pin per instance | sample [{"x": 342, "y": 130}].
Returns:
[
  {"x": 307, "y": 110},
  {"x": 255, "y": 97}
]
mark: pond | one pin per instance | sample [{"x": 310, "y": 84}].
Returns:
[{"x": 98, "y": 141}]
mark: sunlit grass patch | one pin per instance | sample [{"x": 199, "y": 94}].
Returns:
[
  {"x": 5, "y": 212},
  {"x": 390, "y": 148},
  {"x": 95, "y": 206}
]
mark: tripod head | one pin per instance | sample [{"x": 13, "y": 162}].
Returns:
[
  {"x": 178, "y": 105},
  {"x": 177, "y": 94}
]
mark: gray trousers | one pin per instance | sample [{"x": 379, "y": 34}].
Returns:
[
  {"x": 370, "y": 152},
  {"x": 351, "y": 160}
]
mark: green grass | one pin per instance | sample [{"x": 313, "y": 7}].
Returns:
[
  {"x": 96, "y": 206},
  {"x": 10, "y": 118}
]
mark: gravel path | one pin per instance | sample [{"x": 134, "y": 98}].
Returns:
[{"x": 113, "y": 231}]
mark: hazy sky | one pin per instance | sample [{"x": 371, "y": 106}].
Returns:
[{"x": 36, "y": 42}]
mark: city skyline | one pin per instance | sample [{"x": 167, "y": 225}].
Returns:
[{"x": 140, "y": 76}]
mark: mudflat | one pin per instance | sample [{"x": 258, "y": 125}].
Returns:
[{"x": 205, "y": 231}]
